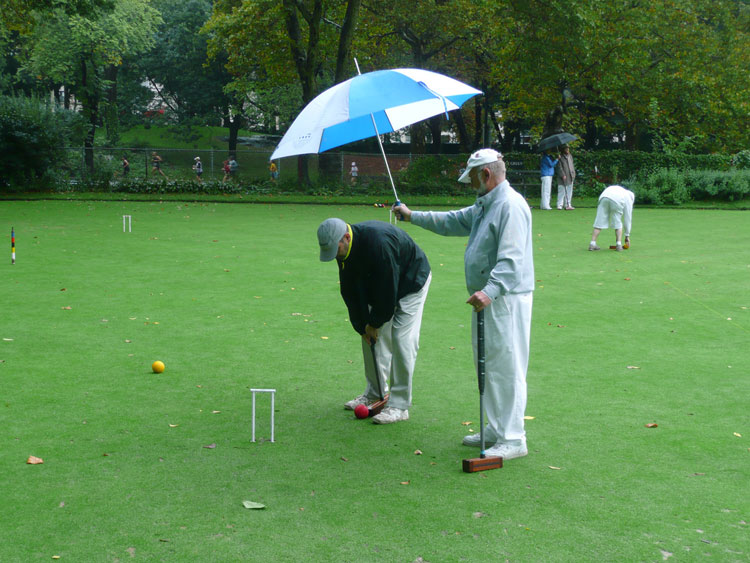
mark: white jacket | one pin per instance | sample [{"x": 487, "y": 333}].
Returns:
[{"x": 499, "y": 257}]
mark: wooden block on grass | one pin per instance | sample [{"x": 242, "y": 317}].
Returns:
[{"x": 482, "y": 464}]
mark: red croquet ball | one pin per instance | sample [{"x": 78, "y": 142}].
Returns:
[{"x": 361, "y": 411}]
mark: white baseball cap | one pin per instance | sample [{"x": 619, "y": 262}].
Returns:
[{"x": 482, "y": 156}]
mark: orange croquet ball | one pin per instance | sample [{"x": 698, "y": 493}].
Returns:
[
  {"x": 626, "y": 245},
  {"x": 157, "y": 366}
]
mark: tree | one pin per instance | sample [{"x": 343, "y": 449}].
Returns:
[
  {"x": 312, "y": 47},
  {"x": 96, "y": 44}
]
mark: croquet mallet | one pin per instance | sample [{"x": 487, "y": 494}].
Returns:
[{"x": 481, "y": 463}]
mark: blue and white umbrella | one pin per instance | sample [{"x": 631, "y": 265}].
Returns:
[
  {"x": 393, "y": 98},
  {"x": 369, "y": 105}
]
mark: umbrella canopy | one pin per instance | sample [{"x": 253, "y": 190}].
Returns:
[
  {"x": 370, "y": 104},
  {"x": 555, "y": 141}
]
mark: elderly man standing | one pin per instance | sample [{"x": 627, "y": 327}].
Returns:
[
  {"x": 499, "y": 269},
  {"x": 384, "y": 279},
  {"x": 615, "y": 209}
]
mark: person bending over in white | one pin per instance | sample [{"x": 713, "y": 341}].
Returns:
[{"x": 615, "y": 211}]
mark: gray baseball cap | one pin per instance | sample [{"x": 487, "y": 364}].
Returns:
[{"x": 329, "y": 235}]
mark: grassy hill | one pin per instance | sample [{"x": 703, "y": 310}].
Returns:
[{"x": 174, "y": 137}]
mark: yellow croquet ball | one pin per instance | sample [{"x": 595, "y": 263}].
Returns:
[{"x": 157, "y": 366}]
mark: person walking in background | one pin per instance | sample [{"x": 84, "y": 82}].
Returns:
[
  {"x": 233, "y": 167},
  {"x": 565, "y": 172},
  {"x": 384, "y": 279},
  {"x": 499, "y": 270},
  {"x": 615, "y": 210},
  {"x": 225, "y": 169},
  {"x": 547, "y": 170},
  {"x": 125, "y": 166},
  {"x": 156, "y": 161},
  {"x": 274, "y": 171},
  {"x": 198, "y": 167},
  {"x": 354, "y": 173}
]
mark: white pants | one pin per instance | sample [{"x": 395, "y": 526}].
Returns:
[
  {"x": 507, "y": 331},
  {"x": 608, "y": 214},
  {"x": 396, "y": 351},
  {"x": 564, "y": 195},
  {"x": 546, "y": 192}
]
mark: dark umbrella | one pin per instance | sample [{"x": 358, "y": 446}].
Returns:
[{"x": 555, "y": 141}]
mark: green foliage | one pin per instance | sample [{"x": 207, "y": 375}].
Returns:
[
  {"x": 741, "y": 159},
  {"x": 33, "y": 135},
  {"x": 669, "y": 186}
]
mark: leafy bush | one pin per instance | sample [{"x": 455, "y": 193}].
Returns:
[
  {"x": 668, "y": 186},
  {"x": 741, "y": 159},
  {"x": 33, "y": 135}
]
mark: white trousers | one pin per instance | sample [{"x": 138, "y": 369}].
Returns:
[
  {"x": 546, "y": 192},
  {"x": 507, "y": 331},
  {"x": 564, "y": 195},
  {"x": 396, "y": 351}
]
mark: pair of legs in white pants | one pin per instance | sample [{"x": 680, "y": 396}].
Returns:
[
  {"x": 564, "y": 196},
  {"x": 546, "y": 192},
  {"x": 396, "y": 351},
  {"x": 507, "y": 330}
]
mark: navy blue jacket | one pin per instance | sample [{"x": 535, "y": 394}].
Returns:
[{"x": 384, "y": 265}]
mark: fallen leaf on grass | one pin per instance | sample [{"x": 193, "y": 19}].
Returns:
[
  {"x": 63, "y": 289},
  {"x": 417, "y": 452},
  {"x": 405, "y": 482},
  {"x": 665, "y": 555},
  {"x": 67, "y": 308},
  {"x": 344, "y": 458},
  {"x": 55, "y": 557},
  {"x": 252, "y": 505},
  {"x": 553, "y": 467},
  {"x": 529, "y": 417},
  {"x": 210, "y": 446},
  {"x": 651, "y": 425},
  {"x": 467, "y": 423},
  {"x": 738, "y": 434},
  {"x": 324, "y": 338},
  {"x": 479, "y": 515},
  {"x": 173, "y": 425},
  {"x": 627, "y": 279},
  {"x": 215, "y": 412},
  {"x": 8, "y": 339},
  {"x": 33, "y": 460},
  {"x": 560, "y": 326},
  {"x": 633, "y": 367}
]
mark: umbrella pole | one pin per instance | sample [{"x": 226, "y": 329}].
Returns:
[
  {"x": 380, "y": 144},
  {"x": 388, "y": 168}
]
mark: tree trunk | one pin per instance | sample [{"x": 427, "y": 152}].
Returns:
[
  {"x": 463, "y": 134},
  {"x": 90, "y": 108},
  {"x": 477, "y": 121},
  {"x": 111, "y": 119},
  {"x": 435, "y": 124},
  {"x": 233, "y": 124}
]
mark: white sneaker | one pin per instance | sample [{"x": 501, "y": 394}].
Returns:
[
  {"x": 389, "y": 415},
  {"x": 361, "y": 400},
  {"x": 507, "y": 451},
  {"x": 594, "y": 246},
  {"x": 618, "y": 248},
  {"x": 476, "y": 440}
]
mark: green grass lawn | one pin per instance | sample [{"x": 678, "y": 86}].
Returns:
[{"x": 233, "y": 296}]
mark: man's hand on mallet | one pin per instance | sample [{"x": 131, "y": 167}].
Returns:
[
  {"x": 370, "y": 335},
  {"x": 479, "y": 301}
]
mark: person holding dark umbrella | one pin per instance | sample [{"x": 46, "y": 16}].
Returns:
[{"x": 547, "y": 172}]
